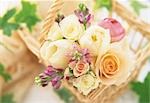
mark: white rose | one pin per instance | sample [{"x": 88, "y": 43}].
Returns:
[
  {"x": 96, "y": 39},
  {"x": 55, "y": 33},
  {"x": 71, "y": 27},
  {"x": 86, "y": 83},
  {"x": 55, "y": 53}
]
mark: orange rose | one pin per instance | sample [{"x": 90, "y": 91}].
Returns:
[
  {"x": 109, "y": 65},
  {"x": 114, "y": 66}
]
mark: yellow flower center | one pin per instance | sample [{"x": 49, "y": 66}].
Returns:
[
  {"x": 52, "y": 50},
  {"x": 70, "y": 30},
  {"x": 94, "y": 38}
]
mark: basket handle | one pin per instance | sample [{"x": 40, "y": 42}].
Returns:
[{"x": 50, "y": 19}]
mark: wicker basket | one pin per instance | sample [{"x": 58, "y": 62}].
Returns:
[{"x": 103, "y": 94}]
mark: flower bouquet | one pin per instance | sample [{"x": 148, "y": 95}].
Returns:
[{"x": 85, "y": 54}]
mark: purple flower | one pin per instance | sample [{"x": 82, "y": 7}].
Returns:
[
  {"x": 83, "y": 15},
  {"x": 83, "y": 18},
  {"x": 56, "y": 82},
  {"x": 51, "y": 74},
  {"x": 76, "y": 53},
  {"x": 49, "y": 71},
  {"x": 86, "y": 55}
]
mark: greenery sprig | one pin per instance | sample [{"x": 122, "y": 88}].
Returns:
[
  {"x": 142, "y": 89},
  {"x": 7, "y": 98},
  {"x": 4, "y": 74},
  {"x": 65, "y": 95},
  {"x": 13, "y": 19}
]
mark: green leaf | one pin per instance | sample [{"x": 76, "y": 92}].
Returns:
[
  {"x": 27, "y": 15},
  {"x": 3, "y": 73},
  {"x": 6, "y": 25},
  {"x": 6, "y": 76},
  {"x": 9, "y": 14},
  {"x": 65, "y": 95},
  {"x": 9, "y": 27},
  {"x": 1, "y": 68},
  {"x": 104, "y": 3},
  {"x": 142, "y": 89},
  {"x": 137, "y": 6},
  {"x": 7, "y": 98}
]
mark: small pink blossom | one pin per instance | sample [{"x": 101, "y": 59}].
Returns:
[{"x": 80, "y": 68}]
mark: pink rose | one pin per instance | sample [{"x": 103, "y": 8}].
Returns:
[
  {"x": 117, "y": 32},
  {"x": 79, "y": 68}
]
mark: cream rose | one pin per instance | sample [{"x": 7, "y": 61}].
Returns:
[
  {"x": 86, "y": 83},
  {"x": 71, "y": 28},
  {"x": 96, "y": 39},
  {"x": 55, "y": 52},
  {"x": 55, "y": 33},
  {"x": 114, "y": 66},
  {"x": 79, "y": 68}
]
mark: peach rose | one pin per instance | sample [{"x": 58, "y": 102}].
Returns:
[
  {"x": 79, "y": 68},
  {"x": 114, "y": 66}
]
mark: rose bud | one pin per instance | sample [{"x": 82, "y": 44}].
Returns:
[{"x": 117, "y": 32}]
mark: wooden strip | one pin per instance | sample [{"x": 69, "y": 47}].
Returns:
[
  {"x": 133, "y": 20},
  {"x": 1, "y": 85},
  {"x": 32, "y": 44}
]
